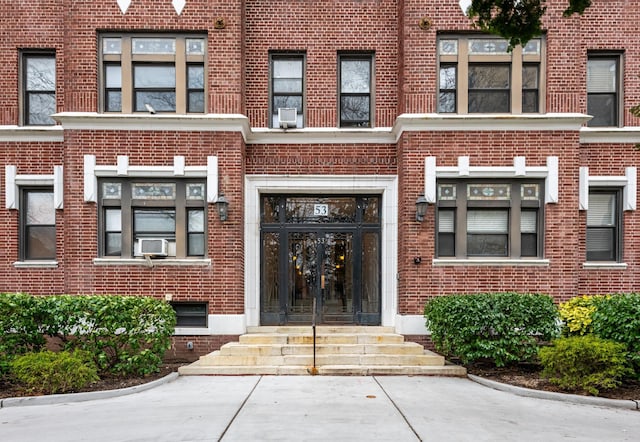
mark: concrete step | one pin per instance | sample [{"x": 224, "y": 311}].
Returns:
[
  {"x": 217, "y": 358},
  {"x": 325, "y": 338},
  {"x": 320, "y": 329},
  {"x": 236, "y": 348},
  {"x": 339, "y": 350},
  {"x": 328, "y": 370}
]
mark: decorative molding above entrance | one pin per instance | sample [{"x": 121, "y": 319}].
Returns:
[{"x": 464, "y": 170}]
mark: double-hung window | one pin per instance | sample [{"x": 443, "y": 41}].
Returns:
[
  {"x": 478, "y": 74},
  {"x": 603, "y": 225},
  {"x": 159, "y": 217},
  {"x": 603, "y": 89},
  {"x": 287, "y": 88},
  {"x": 491, "y": 219},
  {"x": 37, "y": 224},
  {"x": 39, "y": 87},
  {"x": 153, "y": 73},
  {"x": 356, "y": 84}
]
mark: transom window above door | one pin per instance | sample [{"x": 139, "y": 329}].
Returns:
[
  {"x": 478, "y": 74},
  {"x": 153, "y": 73}
]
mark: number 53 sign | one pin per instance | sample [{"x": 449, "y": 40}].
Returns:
[{"x": 320, "y": 210}]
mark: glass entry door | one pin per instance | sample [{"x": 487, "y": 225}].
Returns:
[
  {"x": 321, "y": 268},
  {"x": 336, "y": 264}
]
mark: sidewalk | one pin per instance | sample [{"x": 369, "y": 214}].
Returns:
[{"x": 320, "y": 408}]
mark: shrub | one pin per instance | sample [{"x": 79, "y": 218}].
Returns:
[
  {"x": 577, "y": 314},
  {"x": 584, "y": 363},
  {"x": 20, "y": 318},
  {"x": 500, "y": 327},
  {"x": 125, "y": 334},
  {"x": 49, "y": 373},
  {"x": 618, "y": 318}
]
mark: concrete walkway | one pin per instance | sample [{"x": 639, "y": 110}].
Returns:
[{"x": 320, "y": 408}]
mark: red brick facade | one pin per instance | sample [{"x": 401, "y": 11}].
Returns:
[{"x": 405, "y": 130}]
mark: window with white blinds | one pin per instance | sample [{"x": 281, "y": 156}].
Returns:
[
  {"x": 602, "y": 226},
  {"x": 603, "y": 91},
  {"x": 489, "y": 218}
]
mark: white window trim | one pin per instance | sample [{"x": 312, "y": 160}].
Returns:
[
  {"x": 432, "y": 173},
  {"x": 13, "y": 182},
  {"x": 628, "y": 183},
  {"x": 123, "y": 169}
]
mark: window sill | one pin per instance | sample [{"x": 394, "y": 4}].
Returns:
[
  {"x": 164, "y": 262},
  {"x": 604, "y": 265},
  {"x": 191, "y": 331},
  {"x": 497, "y": 262},
  {"x": 36, "y": 264}
]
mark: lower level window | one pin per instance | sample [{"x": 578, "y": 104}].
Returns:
[
  {"x": 603, "y": 225},
  {"x": 158, "y": 218},
  {"x": 190, "y": 314},
  {"x": 489, "y": 219},
  {"x": 37, "y": 224}
]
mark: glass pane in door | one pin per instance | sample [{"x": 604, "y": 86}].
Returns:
[
  {"x": 370, "y": 273},
  {"x": 270, "y": 248},
  {"x": 337, "y": 277},
  {"x": 302, "y": 275}
]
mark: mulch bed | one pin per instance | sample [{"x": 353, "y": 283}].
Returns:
[{"x": 528, "y": 376}]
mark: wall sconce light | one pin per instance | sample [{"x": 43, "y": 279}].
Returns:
[
  {"x": 223, "y": 207},
  {"x": 421, "y": 208}
]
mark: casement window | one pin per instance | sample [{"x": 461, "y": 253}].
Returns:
[
  {"x": 153, "y": 73},
  {"x": 355, "y": 88},
  {"x": 489, "y": 219},
  {"x": 603, "y": 225},
  {"x": 190, "y": 314},
  {"x": 477, "y": 74},
  {"x": 603, "y": 89},
  {"x": 37, "y": 224},
  {"x": 162, "y": 218},
  {"x": 38, "y": 87},
  {"x": 287, "y": 88}
]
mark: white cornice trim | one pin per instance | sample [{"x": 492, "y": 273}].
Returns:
[
  {"x": 31, "y": 134},
  {"x": 321, "y": 135},
  {"x": 489, "y": 122},
  {"x": 629, "y": 134},
  {"x": 172, "y": 122}
]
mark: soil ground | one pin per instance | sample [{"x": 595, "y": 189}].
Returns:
[
  {"x": 528, "y": 376},
  {"x": 521, "y": 375}
]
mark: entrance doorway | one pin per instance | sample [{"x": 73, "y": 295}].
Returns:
[{"x": 322, "y": 249}]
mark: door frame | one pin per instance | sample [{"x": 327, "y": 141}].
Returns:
[{"x": 384, "y": 185}]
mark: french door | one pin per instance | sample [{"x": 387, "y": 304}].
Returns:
[{"x": 327, "y": 263}]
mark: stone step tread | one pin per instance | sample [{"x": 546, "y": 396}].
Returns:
[
  {"x": 285, "y": 329},
  {"x": 218, "y": 359},
  {"x": 337, "y": 338},
  {"x": 236, "y": 348},
  {"x": 337, "y": 370}
]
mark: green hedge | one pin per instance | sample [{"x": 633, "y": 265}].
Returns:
[
  {"x": 47, "y": 372},
  {"x": 500, "y": 327},
  {"x": 125, "y": 334},
  {"x": 617, "y": 317},
  {"x": 584, "y": 363}
]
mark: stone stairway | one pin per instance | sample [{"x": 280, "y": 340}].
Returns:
[{"x": 340, "y": 350}]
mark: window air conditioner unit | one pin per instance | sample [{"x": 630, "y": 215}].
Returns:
[
  {"x": 153, "y": 246},
  {"x": 287, "y": 117}
]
